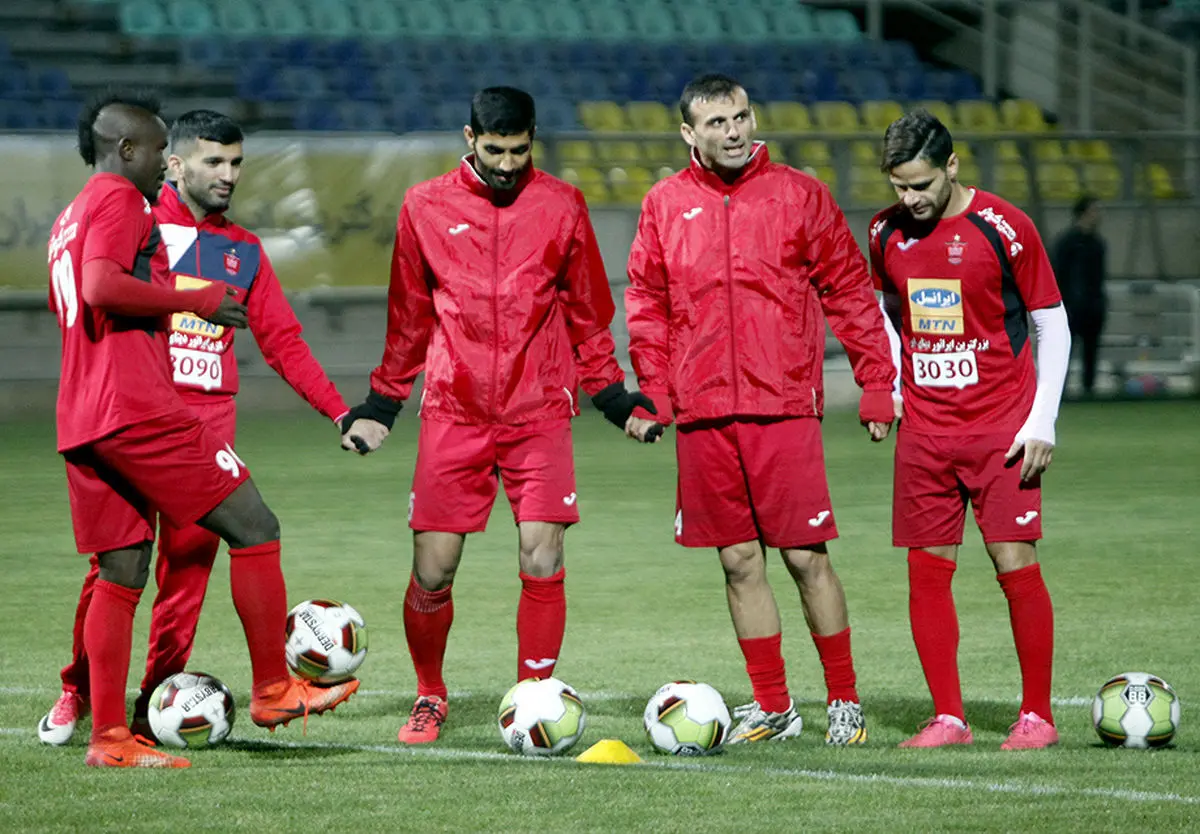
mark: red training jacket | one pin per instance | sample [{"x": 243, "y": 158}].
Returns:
[
  {"x": 502, "y": 299},
  {"x": 728, "y": 284},
  {"x": 202, "y": 357}
]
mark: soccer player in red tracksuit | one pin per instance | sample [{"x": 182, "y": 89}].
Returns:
[
  {"x": 127, "y": 429},
  {"x": 499, "y": 292},
  {"x": 960, "y": 270},
  {"x": 734, "y": 261}
]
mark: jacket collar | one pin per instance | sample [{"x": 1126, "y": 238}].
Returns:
[
  {"x": 758, "y": 162},
  {"x": 171, "y": 208},
  {"x": 474, "y": 183}
]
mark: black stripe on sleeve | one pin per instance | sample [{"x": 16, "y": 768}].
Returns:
[{"x": 1016, "y": 322}]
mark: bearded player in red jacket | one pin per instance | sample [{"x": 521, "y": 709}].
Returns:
[
  {"x": 498, "y": 291},
  {"x": 202, "y": 246},
  {"x": 961, "y": 273},
  {"x": 736, "y": 265}
]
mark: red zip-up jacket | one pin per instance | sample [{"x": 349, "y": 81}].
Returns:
[
  {"x": 202, "y": 357},
  {"x": 500, "y": 297},
  {"x": 730, "y": 286}
]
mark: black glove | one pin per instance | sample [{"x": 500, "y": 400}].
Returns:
[
  {"x": 376, "y": 407},
  {"x": 617, "y": 404}
]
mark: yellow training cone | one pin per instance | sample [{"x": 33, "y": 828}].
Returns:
[{"x": 609, "y": 751}]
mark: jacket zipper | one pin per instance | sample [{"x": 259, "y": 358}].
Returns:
[
  {"x": 495, "y": 412},
  {"x": 733, "y": 376}
]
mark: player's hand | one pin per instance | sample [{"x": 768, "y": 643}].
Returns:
[
  {"x": 230, "y": 313},
  {"x": 364, "y": 436},
  {"x": 644, "y": 431},
  {"x": 898, "y": 407},
  {"x": 878, "y": 431},
  {"x": 876, "y": 411},
  {"x": 1036, "y": 458},
  {"x": 617, "y": 404}
]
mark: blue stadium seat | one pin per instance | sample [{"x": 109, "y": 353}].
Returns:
[
  {"x": 556, "y": 114},
  {"x": 317, "y": 115},
  {"x": 50, "y": 84},
  {"x": 14, "y": 82}
]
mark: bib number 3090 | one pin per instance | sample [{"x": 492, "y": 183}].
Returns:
[
  {"x": 196, "y": 368},
  {"x": 945, "y": 370}
]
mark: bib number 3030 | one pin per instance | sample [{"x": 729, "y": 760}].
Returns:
[
  {"x": 945, "y": 370},
  {"x": 196, "y": 368}
]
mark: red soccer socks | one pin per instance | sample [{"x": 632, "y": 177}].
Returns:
[
  {"x": 764, "y": 665},
  {"x": 541, "y": 624},
  {"x": 935, "y": 628},
  {"x": 260, "y": 597},
  {"x": 838, "y": 662},
  {"x": 1032, "y": 617},
  {"x": 428, "y": 616},
  {"x": 108, "y": 639}
]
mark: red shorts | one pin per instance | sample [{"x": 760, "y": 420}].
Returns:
[
  {"x": 455, "y": 482},
  {"x": 935, "y": 477},
  {"x": 747, "y": 479},
  {"x": 174, "y": 465}
]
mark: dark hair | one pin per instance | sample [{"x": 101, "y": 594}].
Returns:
[
  {"x": 916, "y": 135},
  {"x": 706, "y": 87},
  {"x": 503, "y": 111},
  {"x": 1082, "y": 205},
  {"x": 205, "y": 124},
  {"x": 141, "y": 99}
]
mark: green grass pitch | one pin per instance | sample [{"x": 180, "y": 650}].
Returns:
[{"x": 1119, "y": 557}]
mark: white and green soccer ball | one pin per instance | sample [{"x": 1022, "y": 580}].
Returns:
[
  {"x": 191, "y": 709},
  {"x": 685, "y": 718},
  {"x": 1136, "y": 709},
  {"x": 541, "y": 717},
  {"x": 326, "y": 640}
]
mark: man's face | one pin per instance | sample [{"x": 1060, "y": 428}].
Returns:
[
  {"x": 722, "y": 130},
  {"x": 144, "y": 159},
  {"x": 208, "y": 172},
  {"x": 1089, "y": 221},
  {"x": 925, "y": 190},
  {"x": 500, "y": 160}
]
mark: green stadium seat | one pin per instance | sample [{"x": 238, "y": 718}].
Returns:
[
  {"x": 978, "y": 116},
  {"x": 877, "y": 115},
  {"x": 869, "y": 187},
  {"x": 425, "y": 19},
  {"x": 602, "y": 115},
  {"x": 1090, "y": 150},
  {"x": 813, "y": 152},
  {"x": 562, "y": 21},
  {"x": 838, "y": 25},
  {"x": 664, "y": 171},
  {"x": 792, "y": 24},
  {"x": 671, "y": 152},
  {"x": 698, "y": 24},
  {"x": 836, "y": 116},
  {"x": 649, "y": 117},
  {"x": 331, "y": 18},
  {"x": 619, "y": 152},
  {"x": 471, "y": 20},
  {"x": 825, "y": 173},
  {"x": 1102, "y": 180},
  {"x": 606, "y": 21},
  {"x": 144, "y": 18},
  {"x": 964, "y": 152},
  {"x": 628, "y": 185},
  {"x": 942, "y": 112},
  {"x": 1048, "y": 150},
  {"x": 589, "y": 180},
  {"x": 788, "y": 116},
  {"x": 1007, "y": 150},
  {"x": 1012, "y": 181},
  {"x": 378, "y": 18},
  {"x": 190, "y": 18},
  {"x": 522, "y": 22},
  {"x": 1018, "y": 114},
  {"x": 652, "y": 21},
  {"x": 747, "y": 25},
  {"x": 1058, "y": 182},
  {"x": 968, "y": 172},
  {"x": 283, "y": 18},
  {"x": 864, "y": 154}
]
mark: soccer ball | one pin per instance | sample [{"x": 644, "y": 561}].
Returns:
[
  {"x": 326, "y": 640},
  {"x": 191, "y": 709},
  {"x": 1136, "y": 709},
  {"x": 685, "y": 718},
  {"x": 541, "y": 717}
]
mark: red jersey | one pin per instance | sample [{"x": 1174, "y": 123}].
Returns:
[
  {"x": 115, "y": 370},
  {"x": 966, "y": 284},
  {"x": 202, "y": 358}
]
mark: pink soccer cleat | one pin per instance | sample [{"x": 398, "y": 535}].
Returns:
[
  {"x": 1031, "y": 732},
  {"x": 940, "y": 731}
]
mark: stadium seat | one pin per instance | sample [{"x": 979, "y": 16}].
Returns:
[
  {"x": 588, "y": 180},
  {"x": 378, "y": 18},
  {"x": 812, "y": 152},
  {"x": 825, "y": 173},
  {"x": 240, "y": 19},
  {"x": 1091, "y": 150},
  {"x": 562, "y": 21},
  {"x": 144, "y": 18},
  {"x": 1006, "y": 150},
  {"x": 470, "y": 20},
  {"x": 699, "y": 24},
  {"x": 331, "y": 18},
  {"x": 1102, "y": 180},
  {"x": 619, "y": 152},
  {"x": 941, "y": 111},
  {"x": 836, "y": 116},
  {"x": 792, "y": 24},
  {"x": 664, "y": 171},
  {"x": 649, "y": 117},
  {"x": 190, "y": 17},
  {"x": 746, "y": 24},
  {"x": 1012, "y": 181},
  {"x": 1018, "y": 114},
  {"x": 602, "y": 115},
  {"x": 1048, "y": 150},
  {"x": 1058, "y": 181},
  {"x": 538, "y": 149},
  {"x": 964, "y": 152},
  {"x": 978, "y": 116},
  {"x": 776, "y": 151},
  {"x": 652, "y": 21},
  {"x": 864, "y": 155},
  {"x": 425, "y": 19},
  {"x": 870, "y": 187},
  {"x": 877, "y": 115},
  {"x": 609, "y": 22},
  {"x": 628, "y": 185},
  {"x": 837, "y": 25},
  {"x": 672, "y": 152},
  {"x": 283, "y": 18},
  {"x": 789, "y": 116},
  {"x": 968, "y": 172}
]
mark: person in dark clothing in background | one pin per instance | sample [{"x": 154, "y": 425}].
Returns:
[{"x": 1079, "y": 266}]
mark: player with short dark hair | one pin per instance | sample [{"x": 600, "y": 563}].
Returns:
[
  {"x": 737, "y": 264},
  {"x": 128, "y": 436},
  {"x": 499, "y": 293},
  {"x": 960, "y": 271}
]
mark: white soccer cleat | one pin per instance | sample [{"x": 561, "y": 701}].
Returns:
[
  {"x": 846, "y": 724},
  {"x": 759, "y": 725},
  {"x": 58, "y": 725}
]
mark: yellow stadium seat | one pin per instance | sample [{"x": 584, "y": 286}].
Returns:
[
  {"x": 864, "y": 154},
  {"x": 964, "y": 152},
  {"x": 942, "y": 111},
  {"x": 1012, "y": 181},
  {"x": 619, "y": 152},
  {"x": 1008, "y": 151},
  {"x": 1154, "y": 179},
  {"x": 870, "y": 187},
  {"x": 588, "y": 180},
  {"x": 629, "y": 185},
  {"x": 836, "y": 116},
  {"x": 1048, "y": 150},
  {"x": 1018, "y": 114},
  {"x": 649, "y": 117},
  {"x": 775, "y": 149},
  {"x": 539, "y": 150},
  {"x": 602, "y": 115},
  {"x": 825, "y": 173},
  {"x": 788, "y": 116},
  {"x": 663, "y": 172},
  {"x": 1102, "y": 179},
  {"x": 877, "y": 115},
  {"x": 574, "y": 152},
  {"x": 978, "y": 116},
  {"x": 812, "y": 152},
  {"x": 968, "y": 172},
  {"x": 1091, "y": 150},
  {"x": 1058, "y": 181},
  {"x": 665, "y": 151}
]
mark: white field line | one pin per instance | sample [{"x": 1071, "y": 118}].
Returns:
[{"x": 833, "y": 776}]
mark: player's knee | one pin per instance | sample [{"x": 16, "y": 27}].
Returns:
[
  {"x": 128, "y": 568},
  {"x": 808, "y": 565},
  {"x": 743, "y": 563}
]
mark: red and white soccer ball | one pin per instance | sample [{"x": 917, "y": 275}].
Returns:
[
  {"x": 191, "y": 709},
  {"x": 326, "y": 640}
]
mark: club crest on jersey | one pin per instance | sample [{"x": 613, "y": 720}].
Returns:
[
  {"x": 935, "y": 306},
  {"x": 232, "y": 262},
  {"x": 955, "y": 249}
]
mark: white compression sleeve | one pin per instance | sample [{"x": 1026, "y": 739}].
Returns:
[
  {"x": 890, "y": 304},
  {"x": 1053, "y": 357}
]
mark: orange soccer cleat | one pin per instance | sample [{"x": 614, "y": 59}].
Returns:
[
  {"x": 290, "y": 698},
  {"x": 117, "y": 747},
  {"x": 424, "y": 721}
]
